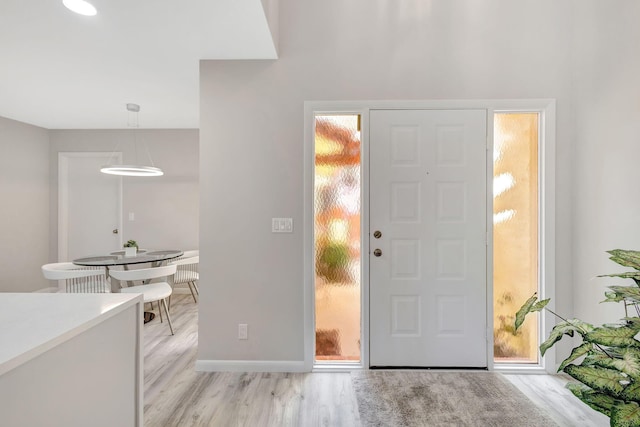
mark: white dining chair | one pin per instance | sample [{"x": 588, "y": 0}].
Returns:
[
  {"x": 77, "y": 279},
  {"x": 187, "y": 273},
  {"x": 151, "y": 292},
  {"x": 189, "y": 253}
]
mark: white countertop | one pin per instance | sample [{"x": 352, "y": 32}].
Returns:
[{"x": 32, "y": 323}]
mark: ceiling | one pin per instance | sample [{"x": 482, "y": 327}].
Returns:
[{"x": 60, "y": 70}]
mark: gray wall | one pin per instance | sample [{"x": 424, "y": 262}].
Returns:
[
  {"x": 606, "y": 206},
  {"x": 24, "y": 215},
  {"x": 166, "y": 208},
  {"x": 252, "y": 136}
]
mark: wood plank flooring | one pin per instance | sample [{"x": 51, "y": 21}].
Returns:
[{"x": 176, "y": 395}]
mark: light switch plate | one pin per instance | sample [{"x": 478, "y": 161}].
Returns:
[{"x": 282, "y": 225}]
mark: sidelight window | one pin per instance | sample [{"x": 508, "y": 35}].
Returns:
[{"x": 337, "y": 209}]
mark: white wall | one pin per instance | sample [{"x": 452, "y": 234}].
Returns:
[
  {"x": 606, "y": 197},
  {"x": 252, "y": 136},
  {"x": 24, "y": 214},
  {"x": 166, "y": 208}
]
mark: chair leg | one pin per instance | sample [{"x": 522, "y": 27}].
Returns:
[
  {"x": 195, "y": 285},
  {"x": 191, "y": 284},
  {"x": 166, "y": 310},
  {"x": 160, "y": 311}
]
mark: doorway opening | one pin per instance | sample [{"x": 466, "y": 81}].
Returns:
[
  {"x": 516, "y": 243},
  {"x": 337, "y": 238}
]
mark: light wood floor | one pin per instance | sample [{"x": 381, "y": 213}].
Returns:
[{"x": 176, "y": 395}]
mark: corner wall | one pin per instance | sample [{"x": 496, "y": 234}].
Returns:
[{"x": 24, "y": 214}]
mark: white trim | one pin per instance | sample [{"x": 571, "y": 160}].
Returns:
[
  {"x": 520, "y": 369},
  {"x": 250, "y": 366},
  {"x": 548, "y": 224},
  {"x": 365, "y": 247},
  {"x": 547, "y": 110},
  {"x": 311, "y": 110},
  {"x": 63, "y": 196},
  {"x": 489, "y": 238},
  {"x": 338, "y": 367},
  {"x": 309, "y": 311}
]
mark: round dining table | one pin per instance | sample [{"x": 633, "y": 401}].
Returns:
[
  {"x": 143, "y": 256},
  {"x": 119, "y": 258}
]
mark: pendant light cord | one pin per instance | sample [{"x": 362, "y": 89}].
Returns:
[{"x": 136, "y": 127}]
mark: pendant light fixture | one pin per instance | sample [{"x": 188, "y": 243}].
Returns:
[{"x": 133, "y": 170}]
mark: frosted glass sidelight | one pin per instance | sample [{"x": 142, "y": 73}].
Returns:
[
  {"x": 337, "y": 237},
  {"x": 515, "y": 233}
]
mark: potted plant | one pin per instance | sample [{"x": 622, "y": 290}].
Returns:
[
  {"x": 606, "y": 364},
  {"x": 130, "y": 248}
]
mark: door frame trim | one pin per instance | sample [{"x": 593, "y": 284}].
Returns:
[
  {"x": 546, "y": 108},
  {"x": 63, "y": 195}
]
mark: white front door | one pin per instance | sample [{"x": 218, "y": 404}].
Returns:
[
  {"x": 89, "y": 206},
  {"x": 428, "y": 201}
]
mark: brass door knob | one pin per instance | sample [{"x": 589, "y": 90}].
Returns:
[{"x": 377, "y": 252}]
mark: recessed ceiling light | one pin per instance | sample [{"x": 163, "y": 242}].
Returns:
[{"x": 80, "y": 6}]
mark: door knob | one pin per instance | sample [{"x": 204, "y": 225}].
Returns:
[
  {"x": 377, "y": 252},
  {"x": 115, "y": 231},
  {"x": 377, "y": 234}
]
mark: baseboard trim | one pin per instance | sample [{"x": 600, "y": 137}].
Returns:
[
  {"x": 520, "y": 370},
  {"x": 250, "y": 366}
]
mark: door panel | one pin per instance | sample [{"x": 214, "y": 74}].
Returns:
[
  {"x": 89, "y": 206},
  {"x": 428, "y": 199}
]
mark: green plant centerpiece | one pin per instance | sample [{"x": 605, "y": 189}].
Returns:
[
  {"x": 131, "y": 244},
  {"x": 607, "y": 362}
]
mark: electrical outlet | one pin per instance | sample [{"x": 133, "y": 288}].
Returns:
[{"x": 243, "y": 331}]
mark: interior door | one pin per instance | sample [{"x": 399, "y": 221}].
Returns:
[
  {"x": 428, "y": 261},
  {"x": 89, "y": 206}
]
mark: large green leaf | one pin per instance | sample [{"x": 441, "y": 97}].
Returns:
[
  {"x": 612, "y": 297},
  {"x": 540, "y": 305},
  {"x": 599, "y": 401},
  {"x": 631, "y": 293},
  {"x": 604, "y": 380},
  {"x": 576, "y": 353},
  {"x": 631, "y": 392},
  {"x": 633, "y": 322},
  {"x": 613, "y": 336},
  {"x": 625, "y": 258},
  {"x": 567, "y": 327},
  {"x": 597, "y": 355},
  {"x": 524, "y": 310},
  {"x": 625, "y": 414},
  {"x": 624, "y": 275},
  {"x": 627, "y": 360}
]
